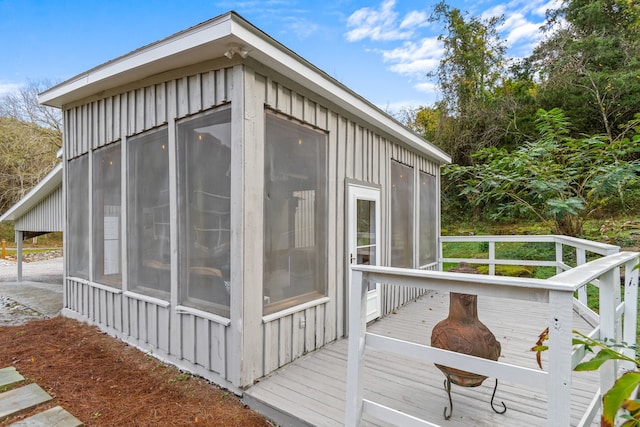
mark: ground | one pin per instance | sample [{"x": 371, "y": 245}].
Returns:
[{"x": 105, "y": 382}]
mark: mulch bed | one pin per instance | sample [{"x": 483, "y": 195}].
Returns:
[{"x": 105, "y": 382}]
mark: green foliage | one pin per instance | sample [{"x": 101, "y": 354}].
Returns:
[
  {"x": 557, "y": 178},
  {"x": 473, "y": 111},
  {"x": 589, "y": 65},
  {"x": 618, "y": 397}
]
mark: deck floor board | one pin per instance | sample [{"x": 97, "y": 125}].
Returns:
[{"x": 313, "y": 387}]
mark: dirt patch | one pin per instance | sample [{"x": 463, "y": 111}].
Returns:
[{"x": 105, "y": 382}]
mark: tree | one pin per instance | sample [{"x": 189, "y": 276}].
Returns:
[
  {"x": 557, "y": 178},
  {"x": 470, "y": 74},
  {"x": 30, "y": 136},
  {"x": 590, "y": 63},
  {"x": 23, "y": 107}
]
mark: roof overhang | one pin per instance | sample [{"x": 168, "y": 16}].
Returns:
[
  {"x": 38, "y": 193},
  {"x": 220, "y": 37}
]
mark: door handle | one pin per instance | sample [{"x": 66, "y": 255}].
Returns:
[{"x": 351, "y": 258}]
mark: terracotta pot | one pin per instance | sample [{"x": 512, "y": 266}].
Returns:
[{"x": 463, "y": 332}]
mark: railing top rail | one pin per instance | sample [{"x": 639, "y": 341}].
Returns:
[
  {"x": 382, "y": 274},
  {"x": 591, "y": 246},
  {"x": 586, "y": 273},
  {"x": 567, "y": 281}
]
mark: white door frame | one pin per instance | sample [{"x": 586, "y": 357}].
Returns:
[{"x": 357, "y": 192}]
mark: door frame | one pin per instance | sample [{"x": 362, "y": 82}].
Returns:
[{"x": 363, "y": 191}]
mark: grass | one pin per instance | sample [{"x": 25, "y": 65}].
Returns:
[{"x": 621, "y": 231}]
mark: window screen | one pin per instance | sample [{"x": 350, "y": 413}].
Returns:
[
  {"x": 204, "y": 176},
  {"x": 106, "y": 215},
  {"x": 295, "y": 205},
  {"x": 428, "y": 218},
  {"x": 148, "y": 239},
  {"x": 78, "y": 217},
  {"x": 402, "y": 206}
]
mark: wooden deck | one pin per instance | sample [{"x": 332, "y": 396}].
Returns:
[{"x": 311, "y": 390}]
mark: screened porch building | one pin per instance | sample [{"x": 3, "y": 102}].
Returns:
[{"x": 217, "y": 189}]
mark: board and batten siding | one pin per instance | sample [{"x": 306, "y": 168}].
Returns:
[
  {"x": 355, "y": 152},
  {"x": 198, "y": 343},
  {"x": 205, "y": 344},
  {"x": 47, "y": 215}
]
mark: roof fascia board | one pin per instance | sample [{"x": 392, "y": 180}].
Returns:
[
  {"x": 205, "y": 33},
  {"x": 36, "y": 195}
]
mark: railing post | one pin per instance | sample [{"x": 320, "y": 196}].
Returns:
[
  {"x": 608, "y": 325},
  {"x": 559, "y": 258},
  {"x": 630, "y": 320},
  {"x": 581, "y": 258},
  {"x": 356, "y": 348},
  {"x": 559, "y": 378},
  {"x": 492, "y": 258}
]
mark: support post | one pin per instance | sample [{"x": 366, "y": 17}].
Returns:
[
  {"x": 607, "y": 310},
  {"x": 4, "y": 249},
  {"x": 559, "y": 257},
  {"x": 581, "y": 258},
  {"x": 630, "y": 321},
  {"x": 492, "y": 258},
  {"x": 356, "y": 348},
  {"x": 559, "y": 378},
  {"x": 19, "y": 236}
]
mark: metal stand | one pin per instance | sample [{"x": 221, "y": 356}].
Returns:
[{"x": 447, "y": 387}]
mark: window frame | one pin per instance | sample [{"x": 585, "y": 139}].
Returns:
[
  {"x": 98, "y": 216},
  {"x": 78, "y": 227},
  {"x": 321, "y": 212},
  {"x": 416, "y": 217},
  {"x": 183, "y": 221},
  {"x": 163, "y": 269}
]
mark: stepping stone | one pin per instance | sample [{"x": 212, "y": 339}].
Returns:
[
  {"x": 54, "y": 417},
  {"x": 21, "y": 399},
  {"x": 9, "y": 376}
]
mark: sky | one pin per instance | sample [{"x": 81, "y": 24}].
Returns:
[{"x": 381, "y": 49}]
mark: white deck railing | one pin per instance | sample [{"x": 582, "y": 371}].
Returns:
[{"x": 616, "y": 320}]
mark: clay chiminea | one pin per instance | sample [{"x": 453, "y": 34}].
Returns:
[{"x": 463, "y": 332}]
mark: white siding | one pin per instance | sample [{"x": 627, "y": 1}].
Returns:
[
  {"x": 48, "y": 215},
  {"x": 356, "y": 152}
]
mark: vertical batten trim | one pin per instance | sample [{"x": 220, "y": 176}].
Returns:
[{"x": 236, "y": 367}]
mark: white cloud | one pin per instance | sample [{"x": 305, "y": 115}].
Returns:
[
  {"x": 414, "y": 58},
  {"x": 382, "y": 24},
  {"x": 7, "y": 88},
  {"x": 414, "y": 18},
  {"x": 303, "y": 28},
  {"x": 427, "y": 87},
  {"x": 541, "y": 10}
]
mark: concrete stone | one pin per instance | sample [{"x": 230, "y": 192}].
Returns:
[
  {"x": 21, "y": 399},
  {"x": 9, "y": 375},
  {"x": 54, "y": 417}
]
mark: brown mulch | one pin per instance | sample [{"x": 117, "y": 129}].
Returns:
[{"x": 105, "y": 382}]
